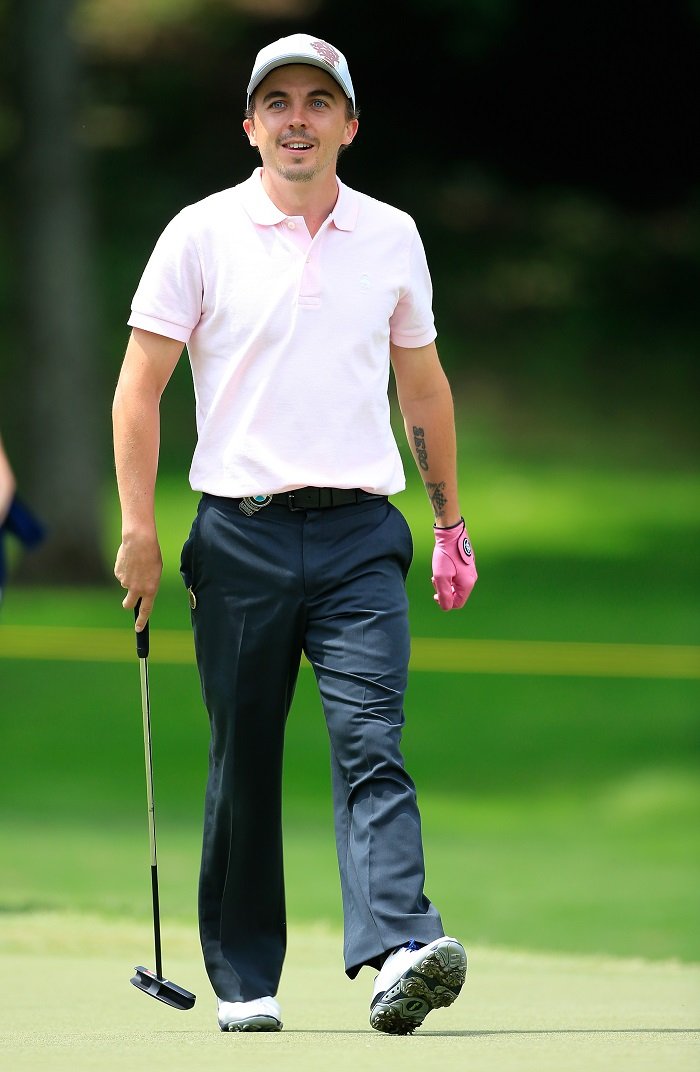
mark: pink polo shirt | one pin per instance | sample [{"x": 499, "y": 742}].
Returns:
[{"x": 288, "y": 336}]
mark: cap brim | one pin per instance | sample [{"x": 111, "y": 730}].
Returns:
[{"x": 295, "y": 57}]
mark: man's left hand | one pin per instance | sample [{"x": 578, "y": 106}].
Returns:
[{"x": 454, "y": 569}]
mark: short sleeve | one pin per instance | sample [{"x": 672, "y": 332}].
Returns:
[
  {"x": 412, "y": 323},
  {"x": 168, "y": 300}
]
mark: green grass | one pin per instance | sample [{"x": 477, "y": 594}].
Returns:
[
  {"x": 560, "y": 816},
  {"x": 554, "y": 875},
  {"x": 560, "y": 813}
]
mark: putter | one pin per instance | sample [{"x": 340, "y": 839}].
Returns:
[{"x": 153, "y": 983}]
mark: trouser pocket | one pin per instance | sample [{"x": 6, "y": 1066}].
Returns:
[{"x": 187, "y": 556}]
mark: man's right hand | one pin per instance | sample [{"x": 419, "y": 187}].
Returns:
[{"x": 138, "y": 568}]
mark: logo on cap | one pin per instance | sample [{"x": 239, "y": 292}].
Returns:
[{"x": 326, "y": 52}]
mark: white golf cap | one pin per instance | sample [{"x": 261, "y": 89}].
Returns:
[{"x": 302, "y": 48}]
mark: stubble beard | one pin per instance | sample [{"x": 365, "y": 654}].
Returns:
[
  {"x": 301, "y": 172},
  {"x": 297, "y": 174}
]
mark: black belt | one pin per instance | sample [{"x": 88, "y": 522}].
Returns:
[{"x": 321, "y": 498}]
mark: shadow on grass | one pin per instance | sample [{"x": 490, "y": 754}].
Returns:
[{"x": 508, "y": 1031}]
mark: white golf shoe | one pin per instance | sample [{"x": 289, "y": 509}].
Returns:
[
  {"x": 413, "y": 981},
  {"x": 261, "y": 1014}
]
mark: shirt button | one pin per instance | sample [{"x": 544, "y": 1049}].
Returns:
[{"x": 291, "y": 224}]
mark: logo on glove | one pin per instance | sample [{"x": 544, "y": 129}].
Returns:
[{"x": 467, "y": 547}]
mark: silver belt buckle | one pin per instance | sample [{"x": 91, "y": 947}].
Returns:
[{"x": 252, "y": 503}]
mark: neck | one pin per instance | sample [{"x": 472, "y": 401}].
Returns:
[{"x": 313, "y": 200}]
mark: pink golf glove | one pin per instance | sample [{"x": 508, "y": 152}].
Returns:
[{"x": 454, "y": 570}]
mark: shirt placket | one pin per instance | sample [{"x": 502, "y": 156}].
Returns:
[{"x": 296, "y": 233}]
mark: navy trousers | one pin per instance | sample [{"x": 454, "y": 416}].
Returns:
[{"x": 330, "y": 583}]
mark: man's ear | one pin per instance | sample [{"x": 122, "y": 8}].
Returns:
[
  {"x": 249, "y": 127},
  {"x": 350, "y": 131}
]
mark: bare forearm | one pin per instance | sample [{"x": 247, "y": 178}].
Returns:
[
  {"x": 136, "y": 423},
  {"x": 430, "y": 430},
  {"x": 139, "y": 563},
  {"x": 425, "y": 399},
  {"x": 147, "y": 366}
]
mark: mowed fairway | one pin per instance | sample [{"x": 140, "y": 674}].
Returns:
[{"x": 67, "y": 1004}]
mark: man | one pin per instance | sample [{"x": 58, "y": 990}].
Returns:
[{"x": 293, "y": 293}]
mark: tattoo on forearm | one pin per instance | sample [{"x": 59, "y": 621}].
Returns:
[
  {"x": 421, "y": 449},
  {"x": 436, "y": 494}
]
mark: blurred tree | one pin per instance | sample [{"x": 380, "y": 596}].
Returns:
[
  {"x": 128, "y": 28},
  {"x": 58, "y": 340}
]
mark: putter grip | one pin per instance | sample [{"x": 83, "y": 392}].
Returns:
[{"x": 142, "y": 637}]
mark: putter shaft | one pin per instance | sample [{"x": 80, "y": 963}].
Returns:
[
  {"x": 148, "y": 756},
  {"x": 155, "y": 985}
]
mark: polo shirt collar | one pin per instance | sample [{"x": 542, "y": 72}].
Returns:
[
  {"x": 262, "y": 210},
  {"x": 344, "y": 214},
  {"x": 256, "y": 202}
]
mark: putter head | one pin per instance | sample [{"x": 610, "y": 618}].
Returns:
[{"x": 162, "y": 989}]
